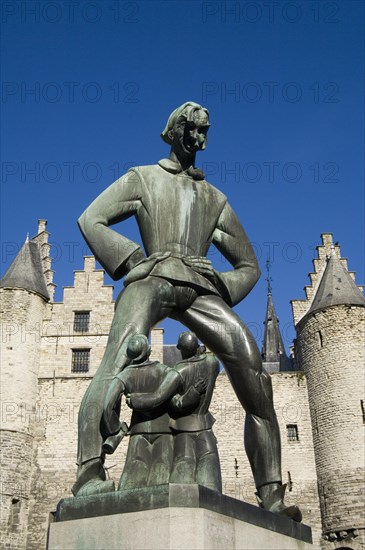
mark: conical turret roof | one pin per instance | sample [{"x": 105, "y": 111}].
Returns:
[
  {"x": 26, "y": 271},
  {"x": 336, "y": 287}
]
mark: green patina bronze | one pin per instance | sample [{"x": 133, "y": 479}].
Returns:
[{"x": 179, "y": 215}]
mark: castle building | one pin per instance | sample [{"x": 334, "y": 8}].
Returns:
[{"x": 51, "y": 350}]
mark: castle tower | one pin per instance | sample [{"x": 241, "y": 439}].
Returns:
[
  {"x": 330, "y": 350},
  {"x": 273, "y": 352},
  {"x": 24, "y": 303}
]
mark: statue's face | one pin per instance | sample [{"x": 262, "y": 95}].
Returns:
[{"x": 188, "y": 137}]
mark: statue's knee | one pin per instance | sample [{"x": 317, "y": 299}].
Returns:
[
  {"x": 260, "y": 402},
  {"x": 266, "y": 385},
  {"x": 243, "y": 348}
]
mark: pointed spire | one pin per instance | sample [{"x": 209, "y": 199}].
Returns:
[
  {"x": 273, "y": 351},
  {"x": 268, "y": 278},
  {"x": 336, "y": 287},
  {"x": 26, "y": 271}
]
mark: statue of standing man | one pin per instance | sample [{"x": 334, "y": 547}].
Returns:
[{"x": 180, "y": 215}]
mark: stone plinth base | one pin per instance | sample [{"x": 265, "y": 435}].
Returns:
[{"x": 171, "y": 517}]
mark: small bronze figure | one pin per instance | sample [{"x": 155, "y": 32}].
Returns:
[
  {"x": 190, "y": 389},
  {"x": 149, "y": 453}
]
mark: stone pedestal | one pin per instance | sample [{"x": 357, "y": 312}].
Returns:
[{"x": 171, "y": 517}]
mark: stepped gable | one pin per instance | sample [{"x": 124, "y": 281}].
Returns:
[
  {"x": 26, "y": 271},
  {"x": 336, "y": 271},
  {"x": 44, "y": 248}
]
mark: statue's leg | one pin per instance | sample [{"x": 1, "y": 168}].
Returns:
[
  {"x": 208, "y": 466},
  {"x": 161, "y": 460},
  {"x": 226, "y": 336},
  {"x": 137, "y": 463},
  {"x": 184, "y": 461},
  {"x": 139, "y": 307}
]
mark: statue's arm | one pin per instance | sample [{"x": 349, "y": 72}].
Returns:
[
  {"x": 117, "y": 254},
  {"x": 146, "y": 401},
  {"x": 189, "y": 399},
  {"x": 231, "y": 240},
  {"x": 192, "y": 397},
  {"x": 110, "y": 417}
]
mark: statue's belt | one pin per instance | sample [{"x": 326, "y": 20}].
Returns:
[
  {"x": 171, "y": 266},
  {"x": 192, "y": 422},
  {"x": 163, "y": 424}
]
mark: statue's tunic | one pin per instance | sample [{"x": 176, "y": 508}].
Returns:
[{"x": 178, "y": 217}]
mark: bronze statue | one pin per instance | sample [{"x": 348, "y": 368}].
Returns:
[{"x": 180, "y": 215}]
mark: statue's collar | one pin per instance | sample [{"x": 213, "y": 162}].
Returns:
[
  {"x": 175, "y": 168},
  {"x": 193, "y": 359}
]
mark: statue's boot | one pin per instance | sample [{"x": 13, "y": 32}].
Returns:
[
  {"x": 91, "y": 480},
  {"x": 271, "y": 498}
]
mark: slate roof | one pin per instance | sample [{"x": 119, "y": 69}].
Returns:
[
  {"x": 336, "y": 288},
  {"x": 26, "y": 271},
  {"x": 273, "y": 350}
]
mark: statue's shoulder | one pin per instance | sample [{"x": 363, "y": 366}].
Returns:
[
  {"x": 221, "y": 197},
  {"x": 181, "y": 365},
  {"x": 146, "y": 170},
  {"x": 146, "y": 174},
  {"x": 212, "y": 361},
  {"x": 189, "y": 362}
]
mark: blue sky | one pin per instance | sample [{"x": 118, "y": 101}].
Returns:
[{"x": 87, "y": 88}]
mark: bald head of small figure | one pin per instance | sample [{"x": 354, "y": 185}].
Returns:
[{"x": 188, "y": 344}]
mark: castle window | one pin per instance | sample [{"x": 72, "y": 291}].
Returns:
[
  {"x": 292, "y": 432},
  {"x": 81, "y": 321},
  {"x": 80, "y": 360}
]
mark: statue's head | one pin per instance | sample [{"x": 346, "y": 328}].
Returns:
[
  {"x": 186, "y": 129},
  {"x": 188, "y": 344},
  {"x": 138, "y": 349}
]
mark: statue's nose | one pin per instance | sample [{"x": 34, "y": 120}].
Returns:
[
  {"x": 196, "y": 138},
  {"x": 200, "y": 138}
]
